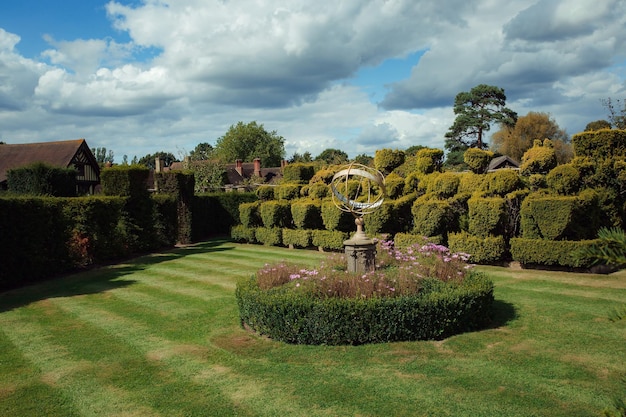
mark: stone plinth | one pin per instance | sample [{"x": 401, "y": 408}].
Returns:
[{"x": 360, "y": 251}]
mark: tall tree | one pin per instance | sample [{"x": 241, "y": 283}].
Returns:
[
  {"x": 617, "y": 112},
  {"x": 150, "y": 159},
  {"x": 597, "y": 125},
  {"x": 249, "y": 141},
  {"x": 476, "y": 111},
  {"x": 102, "y": 156},
  {"x": 516, "y": 140},
  {"x": 202, "y": 152},
  {"x": 305, "y": 157},
  {"x": 332, "y": 156}
]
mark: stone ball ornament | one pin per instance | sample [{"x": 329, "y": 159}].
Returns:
[{"x": 359, "y": 190}]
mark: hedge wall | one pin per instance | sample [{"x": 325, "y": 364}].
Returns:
[
  {"x": 600, "y": 144},
  {"x": 551, "y": 253},
  {"x": 483, "y": 249},
  {"x": 42, "y": 179},
  {"x": 215, "y": 213}
]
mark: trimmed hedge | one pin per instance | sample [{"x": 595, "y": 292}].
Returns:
[
  {"x": 486, "y": 216},
  {"x": 249, "y": 214},
  {"x": 484, "y": 250},
  {"x": 552, "y": 252},
  {"x": 477, "y": 159},
  {"x": 275, "y": 213},
  {"x": 297, "y": 238},
  {"x": 287, "y": 191},
  {"x": 43, "y": 179},
  {"x": 306, "y": 214},
  {"x": 600, "y": 144},
  {"x": 244, "y": 234},
  {"x": 438, "y": 311},
  {"x": 329, "y": 239},
  {"x": 431, "y": 217},
  {"x": 298, "y": 172},
  {"x": 271, "y": 236},
  {"x": 215, "y": 213},
  {"x": 336, "y": 219}
]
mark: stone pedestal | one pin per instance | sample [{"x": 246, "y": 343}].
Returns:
[{"x": 360, "y": 250}]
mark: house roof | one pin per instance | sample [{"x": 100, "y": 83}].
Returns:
[
  {"x": 60, "y": 153},
  {"x": 502, "y": 162}
]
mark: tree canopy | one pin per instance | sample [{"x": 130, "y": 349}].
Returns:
[
  {"x": 150, "y": 159},
  {"x": 475, "y": 112},
  {"x": 515, "y": 140},
  {"x": 617, "y": 112},
  {"x": 332, "y": 156},
  {"x": 250, "y": 141},
  {"x": 202, "y": 152}
]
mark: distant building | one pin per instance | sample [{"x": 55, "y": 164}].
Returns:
[
  {"x": 502, "y": 162},
  {"x": 66, "y": 154}
]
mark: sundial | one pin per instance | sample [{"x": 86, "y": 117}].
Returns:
[{"x": 359, "y": 190}]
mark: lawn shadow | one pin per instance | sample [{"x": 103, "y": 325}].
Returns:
[
  {"x": 502, "y": 314},
  {"x": 101, "y": 278}
]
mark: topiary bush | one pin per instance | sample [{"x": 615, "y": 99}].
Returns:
[
  {"x": 394, "y": 186},
  {"x": 275, "y": 213},
  {"x": 444, "y": 185},
  {"x": 329, "y": 239},
  {"x": 431, "y": 217},
  {"x": 428, "y": 160},
  {"x": 318, "y": 190},
  {"x": 249, "y": 215},
  {"x": 328, "y": 306},
  {"x": 287, "y": 191},
  {"x": 336, "y": 219},
  {"x": 486, "y": 216},
  {"x": 241, "y": 233},
  {"x": 564, "y": 179},
  {"x": 563, "y": 253},
  {"x": 502, "y": 182},
  {"x": 306, "y": 214},
  {"x": 477, "y": 159},
  {"x": 265, "y": 192},
  {"x": 600, "y": 144},
  {"x": 271, "y": 236},
  {"x": 483, "y": 250},
  {"x": 297, "y": 238},
  {"x": 298, "y": 172},
  {"x": 386, "y": 160},
  {"x": 539, "y": 159}
]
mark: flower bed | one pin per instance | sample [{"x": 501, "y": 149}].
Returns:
[{"x": 423, "y": 292}]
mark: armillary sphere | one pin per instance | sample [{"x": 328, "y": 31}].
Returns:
[{"x": 358, "y": 189}]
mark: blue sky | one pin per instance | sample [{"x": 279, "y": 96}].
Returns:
[{"x": 157, "y": 75}]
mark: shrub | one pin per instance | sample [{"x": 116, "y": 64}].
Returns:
[
  {"x": 564, "y": 179},
  {"x": 431, "y": 217},
  {"x": 265, "y": 192},
  {"x": 486, "y": 216},
  {"x": 445, "y": 184},
  {"x": 470, "y": 182},
  {"x": 381, "y": 220},
  {"x": 275, "y": 213},
  {"x": 329, "y": 239},
  {"x": 502, "y": 182},
  {"x": 411, "y": 182},
  {"x": 386, "y": 160},
  {"x": 241, "y": 233},
  {"x": 125, "y": 180},
  {"x": 323, "y": 175},
  {"x": 216, "y": 213},
  {"x": 437, "y": 311},
  {"x": 483, "y": 250},
  {"x": 287, "y": 191},
  {"x": 428, "y": 160},
  {"x": 336, "y": 219},
  {"x": 609, "y": 248},
  {"x": 42, "y": 179},
  {"x": 477, "y": 159},
  {"x": 306, "y": 214},
  {"x": 552, "y": 252},
  {"x": 298, "y": 238},
  {"x": 271, "y": 236},
  {"x": 180, "y": 185},
  {"x": 298, "y": 172},
  {"x": 394, "y": 185},
  {"x": 600, "y": 144},
  {"x": 402, "y": 218},
  {"x": 318, "y": 190},
  {"x": 539, "y": 159}
]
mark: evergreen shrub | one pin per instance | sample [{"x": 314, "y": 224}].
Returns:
[
  {"x": 486, "y": 216},
  {"x": 562, "y": 253},
  {"x": 502, "y": 182},
  {"x": 249, "y": 214},
  {"x": 431, "y": 217},
  {"x": 477, "y": 159},
  {"x": 483, "y": 250},
  {"x": 539, "y": 159},
  {"x": 600, "y": 144},
  {"x": 299, "y": 172},
  {"x": 265, "y": 192},
  {"x": 275, "y": 213},
  {"x": 445, "y": 185},
  {"x": 386, "y": 160},
  {"x": 470, "y": 182},
  {"x": 287, "y": 191},
  {"x": 428, "y": 160},
  {"x": 270, "y": 236},
  {"x": 318, "y": 190},
  {"x": 42, "y": 179},
  {"x": 241, "y": 233},
  {"x": 394, "y": 186},
  {"x": 329, "y": 239},
  {"x": 564, "y": 179},
  {"x": 297, "y": 237},
  {"x": 215, "y": 213},
  {"x": 381, "y": 220},
  {"x": 336, "y": 219},
  {"x": 306, "y": 214}
]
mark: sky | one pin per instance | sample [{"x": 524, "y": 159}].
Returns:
[{"x": 143, "y": 76}]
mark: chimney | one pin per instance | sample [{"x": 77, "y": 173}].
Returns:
[
  {"x": 283, "y": 163},
  {"x": 159, "y": 164},
  {"x": 257, "y": 167},
  {"x": 239, "y": 167}
]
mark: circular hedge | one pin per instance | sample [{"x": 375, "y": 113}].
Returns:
[{"x": 439, "y": 310}]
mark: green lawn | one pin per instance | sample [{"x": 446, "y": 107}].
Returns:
[{"x": 160, "y": 336}]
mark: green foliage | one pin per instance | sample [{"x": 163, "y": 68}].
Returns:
[
  {"x": 412, "y": 182},
  {"x": 564, "y": 179},
  {"x": 502, "y": 182},
  {"x": 600, "y": 144},
  {"x": 180, "y": 185},
  {"x": 209, "y": 176},
  {"x": 149, "y": 161},
  {"x": 444, "y": 185},
  {"x": 265, "y": 192},
  {"x": 617, "y": 112},
  {"x": 470, "y": 182},
  {"x": 241, "y": 233},
  {"x": 609, "y": 248},
  {"x": 300, "y": 173},
  {"x": 249, "y": 215},
  {"x": 486, "y": 216},
  {"x": 125, "y": 180},
  {"x": 428, "y": 160},
  {"x": 475, "y": 112},
  {"x": 329, "y": 239},
  {"x": 202, "y": 152},
  {"x": 560, "y": 218},
  {"x": 394, "y": 186},
  {"x": 298, "y": 238},
  {"x": 287, "y": 191},
  {"x": 250, "y": 141},
  {"x": 381, "y": 220},
  {"x": 42, "y": 179},
  {"x": 597, "y": 125},
  {"x": 552, "y": 252},
  {"x": 318, "y": 190},
  {"x": 336, "y": 219},
  {"x": 270, "y": 236},
  {"x": 431, "y": 217},
  {"x": 402, "y": 216},
  {"x": 483, "y": 250},
  {"x": 215, "y": 213},
  {"x": 293, "y": 317},
  {"x": 386, "y": 160},
  {"x": 332, "y": 156},
  {"x": 539, "y": 159},
  {"x": 306, "y": 214},
  {"x": 275, "y": 214},
  {"x": 404, "y": 240},
  {"x": 323, "y": 175},
  {"x": 477, "y": 159}
]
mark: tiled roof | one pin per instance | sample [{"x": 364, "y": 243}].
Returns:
[{"x": 54, "y": 153}]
